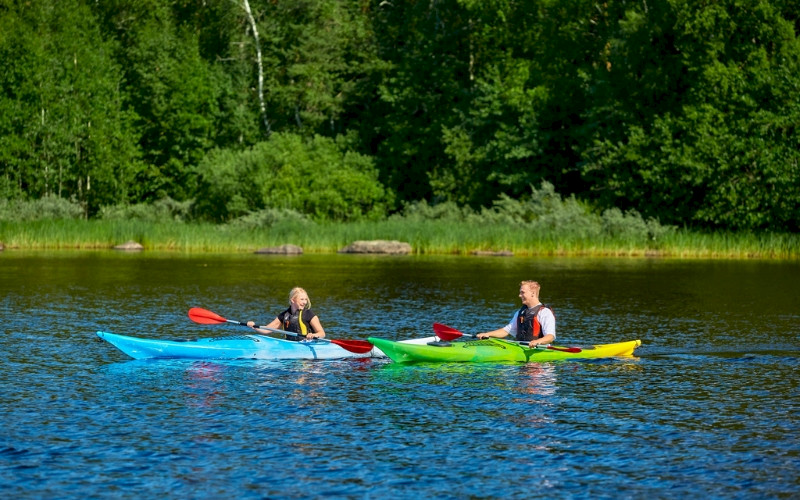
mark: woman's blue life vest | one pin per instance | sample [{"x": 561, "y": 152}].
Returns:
[
  {"x": 297, "y": 322},
  {"x": 528, "y": 327}
]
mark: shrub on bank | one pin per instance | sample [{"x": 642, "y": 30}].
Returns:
[
  {"x": 165, "y": 209},
  {"x": 46, "y": 208},
  {"x": 315, "y": 176},
  {"x": 269, "y": 218},
  {"x": 545, "y": 212}
]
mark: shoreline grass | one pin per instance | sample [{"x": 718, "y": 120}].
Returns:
[{"x": 435, "y": 237}]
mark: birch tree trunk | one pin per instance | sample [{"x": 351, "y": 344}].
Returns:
[{"x": 253, "y": 27}]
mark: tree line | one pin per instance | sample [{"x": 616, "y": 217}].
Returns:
[{"x": 684, "y": 112}]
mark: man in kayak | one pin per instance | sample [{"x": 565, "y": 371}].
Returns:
[
  {"x": 534, "y": 322},
  {"x": 298, "y": 318}
]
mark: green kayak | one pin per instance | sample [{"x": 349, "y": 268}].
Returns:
[{"x": 493, "y": 350}]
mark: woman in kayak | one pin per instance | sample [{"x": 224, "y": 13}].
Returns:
[
  {"x": 298, "y": 318},
  {"x": 534, "y": 322}
]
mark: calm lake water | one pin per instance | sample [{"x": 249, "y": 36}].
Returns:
[{"x": 709, "y": 407}]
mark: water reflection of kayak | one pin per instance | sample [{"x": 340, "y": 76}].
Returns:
[
  {"x": 493, "y": 350},
  {"x": 236, "y": 347}
]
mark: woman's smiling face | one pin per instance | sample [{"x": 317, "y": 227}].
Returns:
[{"x": 300, "y": 300}]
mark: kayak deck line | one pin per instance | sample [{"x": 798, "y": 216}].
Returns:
[
  {"x": 462, "y": 340},
  {"x": 210, "y": 339}
]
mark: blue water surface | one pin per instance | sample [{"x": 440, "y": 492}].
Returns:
[{"x": 707, "y": 408}]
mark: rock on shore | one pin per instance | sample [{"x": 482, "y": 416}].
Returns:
[
  {"x": 378, "y": 246},
  {"x": 493, "y": 253},
  {"x": 130, "y": 246},
  {"x": 282, "y": 250}
]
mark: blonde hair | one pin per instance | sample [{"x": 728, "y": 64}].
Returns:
[
  {"x": 533, "y": 285},
  {"x": 294, "y": 292}
]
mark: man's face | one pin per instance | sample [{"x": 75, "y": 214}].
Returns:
[{"x": 526, "y": 294}]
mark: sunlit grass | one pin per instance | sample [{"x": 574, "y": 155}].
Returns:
[
  {"x": 425, "y": 237},
  {"x": 542, "y": 223}
]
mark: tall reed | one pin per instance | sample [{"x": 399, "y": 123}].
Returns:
[{"x": 425, "y": 237}]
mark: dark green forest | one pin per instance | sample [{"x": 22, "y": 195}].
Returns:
[{"x": 683, "y": 111}]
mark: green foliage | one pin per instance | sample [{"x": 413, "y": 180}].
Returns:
[
  {"x": 160, "y": 210},
  {"x": 545, "y": 212},
  {"x": 320, "y": 63},
  {"x": 631, "y": 226},
  {"x": 63, "y": 128},
  {"x": 422, "y": 211},
  {"x": 724, "y": 152},
  {"x": 172, "y": 90},
  {"x": 425, "y": 88},
  {"x": 269, "y": 218},
  {"x": 495, "y": 141},
  {"x": 45, "y": 208},
  {"x": 683, "y": 112},
  {"x": 314, "y": 177}
]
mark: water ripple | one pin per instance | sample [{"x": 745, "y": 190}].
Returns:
[{"x": 696, "y": 413}]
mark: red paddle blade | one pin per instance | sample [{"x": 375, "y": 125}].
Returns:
[
  {"x": 445, "y": 332},
  {"x": 205, "y": 317},
  {"x": 356, "y": 346},
  {"x": 565, "y": 349}
]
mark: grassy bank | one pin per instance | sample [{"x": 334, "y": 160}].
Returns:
[{"x": 425, "y": 237}]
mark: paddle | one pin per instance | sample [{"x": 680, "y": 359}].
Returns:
[
  {"x": 206, "y": 317},
  {"x": 445, "y": 332}
]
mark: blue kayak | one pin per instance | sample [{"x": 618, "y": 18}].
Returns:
[
  {"x": 233, "y": 347},
  {"x": 238, "y": 347}
]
